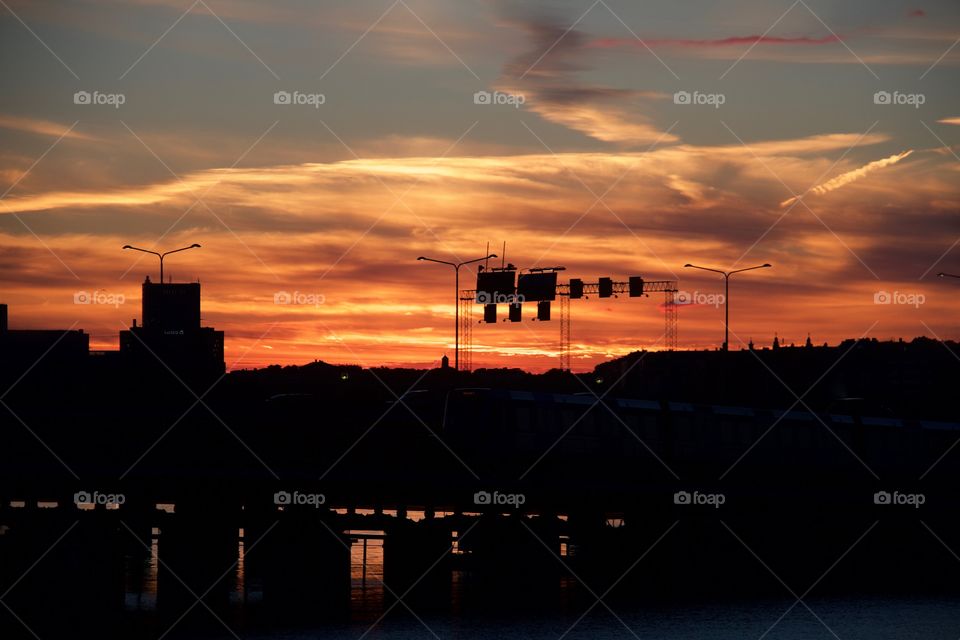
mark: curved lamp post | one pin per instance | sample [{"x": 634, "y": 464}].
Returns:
[
  {"x": 726, "y": 294},
  {"x": 456, "y": 299},
  {"x": 161, "y": 255}
]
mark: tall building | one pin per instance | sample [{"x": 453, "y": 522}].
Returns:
[
  {"x": 171, "y": 307},
  {"x": 170, "y": 333}
]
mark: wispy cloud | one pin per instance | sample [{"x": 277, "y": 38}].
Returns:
[
  {"x": 304, "y": 186},
  {"x": 41, "y": 127},
  {"x": 611, "y": 43},
  {"x": 693, "y": 202},
  {"x": 852, "y": 176}
]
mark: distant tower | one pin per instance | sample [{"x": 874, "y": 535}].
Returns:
[
  {"x": 750, "y": 344},
  {"x": 776, "y": 342},
  {"x": 444, "y": 362},
  {"x": 170, "y": 331},
  {"x": 809, "y": 342}
]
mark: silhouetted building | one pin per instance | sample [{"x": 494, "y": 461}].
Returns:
[
  {"x": 444, "y": 362},
  {"x": 171, "y": 334},
  {"x": 21, "y": 348},
  {"x": 171, "y": 307}
]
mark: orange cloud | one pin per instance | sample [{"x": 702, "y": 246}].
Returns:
[
  {"x": 602, "y": 124},
  {"x": 338, "y": 230}
]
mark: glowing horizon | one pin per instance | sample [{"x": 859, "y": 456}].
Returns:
[{"x": 629, "y": 142}]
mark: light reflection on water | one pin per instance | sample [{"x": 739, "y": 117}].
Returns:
[
  {"x": 861, "y": 618},
  {"x": 366, "y": 573},
  {"x": 366, "y": 576},
  {"x": 849, "y": 618},
  {"x": 141, "y": 579}
]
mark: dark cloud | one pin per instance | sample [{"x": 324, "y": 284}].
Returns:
[{"x": 548, "y": 74}]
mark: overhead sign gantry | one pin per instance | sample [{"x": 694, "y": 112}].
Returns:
[{"x": 506, "y": 285}]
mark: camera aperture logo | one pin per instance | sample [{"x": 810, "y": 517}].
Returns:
[
  {"x": 497, "y": 499},
  {"x": 299, "y": 98},
  {"x": 715, "y": 100},
  {"x": 900, "y": 298},
  {"x": 897, "y": 498},
  {"x": 296, "y": 498},
  {"x": 96, "y": 498},
  {"x": 98, "y": 297},
  {"x": 896, "y": 98},
  {"x": 98, "y": 98},
  {"x": 699, "y": 298},
  {"x": 697, "y": 498},
  {"x": 499, "y": 97},
  {"x": 299, "y": 298}
]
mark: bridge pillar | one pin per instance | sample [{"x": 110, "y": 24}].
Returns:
[
  {"x": 305, "y": 560},
  {"x": 62, "y": 569},
  {"x": 136, "y": 530},
  {"x": 600, "y": 554},
  {"x": 416, "y": 562},
  {"x": 514, "y": 560},
  {"x": 197, "y": 556}
]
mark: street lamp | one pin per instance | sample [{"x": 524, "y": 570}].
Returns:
[
  {"x": 946, "y": 275},
  {"x": 456, "y": 300},
  {"x": 726, "y": 294},
  {"x": 161, "y": 255}
]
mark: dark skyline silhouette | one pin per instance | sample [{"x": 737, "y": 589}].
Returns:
[
  {"x": 529, "y": 492},
  {"x": 699, "y": 260}
]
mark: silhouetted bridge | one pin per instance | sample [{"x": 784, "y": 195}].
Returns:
[{"x": 517, "y": 488}]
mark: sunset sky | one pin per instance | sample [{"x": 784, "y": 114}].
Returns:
[{"x": 821, "y": 137}]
